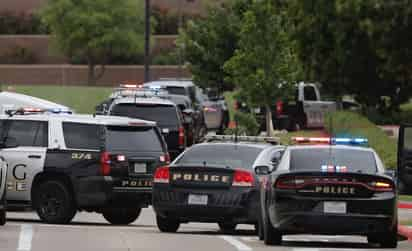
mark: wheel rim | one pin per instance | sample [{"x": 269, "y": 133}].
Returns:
[{"x": 51, "y": 203}]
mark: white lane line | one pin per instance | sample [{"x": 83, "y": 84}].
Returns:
[
  {"x": 305, "y": 249},
  {"x": 89, "y": 227},
  {"x": 238, "y": 244},
  {"x": 26, "y": 235}
]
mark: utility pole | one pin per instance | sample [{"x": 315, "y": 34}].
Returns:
[{"x": 147, "y": 42}]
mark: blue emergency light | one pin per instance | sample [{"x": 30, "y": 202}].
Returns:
[
  {"x": 349, "y": 141},
  {"x": 332, "y": 141}
]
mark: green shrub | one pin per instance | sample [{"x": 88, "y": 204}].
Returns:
[
  {"x": 345, "y": 123},
  {"x": 21, "y": 23},
  {"x": 246, "y": 125}
]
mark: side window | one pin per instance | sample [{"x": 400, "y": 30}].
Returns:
[
  {"x": 29, "y": 133},
  {"x": 82, "y": 136},
  {"x": 309, "y": 93},
  {"x": 408, "y": 138}
]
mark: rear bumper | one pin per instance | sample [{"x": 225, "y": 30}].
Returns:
[
  {"x": 100, "y": 192},
  {"x": 233, "y": 205},
  {"x": 298, "y": 214}
]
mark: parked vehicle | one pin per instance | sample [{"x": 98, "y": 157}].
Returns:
[
  {"x": 404, "y": 170},
  {"x": 62, "y": 164},
  {"x": 215, "y": 110},
  {"x": 306, "y": 110}
]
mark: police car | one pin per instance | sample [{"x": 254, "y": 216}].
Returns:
[
  {"x": 334, "y": 188},
  {"x": 65, "y": 163},
  {"x": 213, "y": 182}
]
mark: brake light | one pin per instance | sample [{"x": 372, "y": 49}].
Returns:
[
  {"x": 181, "y": 136},
  {"x": 289, "y": 183},
  {"x": 243, "y": 178},
  {"x": 105, "y": 164},
  {"x": 162, "y": 175},
  {"x": 165, "y": 158},
  {"x": 382, "y": 186},
  {"x": 279, "y": 108}
]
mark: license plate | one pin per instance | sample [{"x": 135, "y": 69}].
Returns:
[
  {"x": 195, "y": 199},
  {"x": 140, "y": 168},
  {"x": 334, "y": 207}
]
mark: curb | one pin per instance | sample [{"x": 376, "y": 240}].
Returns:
[
  {"x": 404, "y": 205},
  {"x": 405, "y": 231}
]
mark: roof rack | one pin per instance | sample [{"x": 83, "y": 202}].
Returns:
[{"x": 234, "y": 138}]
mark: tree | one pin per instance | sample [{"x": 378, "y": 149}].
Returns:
[
  {"x": 207, "y": 43},
  {"x": 264, "y": 67},
  {"x": 96, "y": 30}
]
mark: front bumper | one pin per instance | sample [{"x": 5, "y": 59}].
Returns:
[
  {"x": 101, "y": 192},
  {"x": 299, "y": 214},
  {"x": 231, "y": 205}
]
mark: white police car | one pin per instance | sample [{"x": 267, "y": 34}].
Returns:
[{"x": 64, "y": 163}]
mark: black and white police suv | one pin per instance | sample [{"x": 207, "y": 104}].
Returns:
[
  {"x": 213, "y": 182},
  {"x": 65, "y": 163},
  {"x": 331, "y": 189}
]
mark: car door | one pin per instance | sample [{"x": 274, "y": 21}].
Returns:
[
  {"x": 405, "y": 157},
  {"x": 26, "y": 160}
]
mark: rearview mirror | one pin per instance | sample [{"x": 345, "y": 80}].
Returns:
[
  {"x": 262, "y": 170},
  {"x": 9, "y": 142}
]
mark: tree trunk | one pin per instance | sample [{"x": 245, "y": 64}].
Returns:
[
  {"x": 269, "y": 122},
  {"x": 91, "y": 79}
]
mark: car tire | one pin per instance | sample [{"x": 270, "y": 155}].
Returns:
[
  {"x": 271, "y": 236},
  {"x": 121, "y": 216},
  {"x": 167, "y": 225},
  {"x": 54, "y": 202},
  {"x": 227, "y": 227},
  {"x": 2, "y": 217},
  {"x": 259, "y": 229}
]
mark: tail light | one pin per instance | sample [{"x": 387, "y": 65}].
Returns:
[
  {"x": 162, "y": 175},
  {"x": 279, "y": 108},
  {"x": 289, "y": 183},
  {"x": 381, "y": 186},
  {"x": 181, "y": 136},
  {"x": 243, "y": 178},
  {"x": 105, "y": 163},
  {"x": 165, "y": 158}
]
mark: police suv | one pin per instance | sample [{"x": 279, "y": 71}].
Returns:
[{"x": 65, "y": 163}]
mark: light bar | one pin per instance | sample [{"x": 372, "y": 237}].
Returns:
[
  {"x": 131, "y": 86},
  {"x": 233, "y": 138},
  {"x": 332, "y": 141}
]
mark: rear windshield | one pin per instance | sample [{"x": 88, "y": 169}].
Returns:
[
  {"x": 221, "y": 155},
  {"x": 164, "y": 115},
  {"x": 314, "y": 159},
  {"x": 136, "y": 139},
  {"x": 176, "y": 90}
]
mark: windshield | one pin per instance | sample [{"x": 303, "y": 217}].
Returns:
[
  {"x": 232, "y": 156},
  {"x": 313, "y": 159},
  {"x": 135, "y": 139},
  {"x": 164, "y": 115}
]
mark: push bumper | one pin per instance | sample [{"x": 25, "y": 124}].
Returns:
[
  {"x": 100, "y": 191},
  {"x": 239, "y": 207}
]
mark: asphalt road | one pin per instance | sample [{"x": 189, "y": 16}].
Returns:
[{"x": 89, "y": 231}]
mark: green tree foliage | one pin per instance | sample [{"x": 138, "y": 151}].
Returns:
[
  {"x": 96, "y": 30},
  {"x": 207, "y": 43},
  {"x": 264, "y": 66},
  {"x": 356, "y": 47}
]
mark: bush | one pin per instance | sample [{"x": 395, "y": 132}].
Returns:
[
  {"x": 167, "y": 22},
  {"x": 23, "y": 23},
  {"x": 166, "y": 58},
  {"x": 345, "y": 123},
  {"x": 246, "y": 125},
  {"x": 18, "y": 55}
]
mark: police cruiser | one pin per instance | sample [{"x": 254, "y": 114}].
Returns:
[
  {"x": 65, "y": 163},
  {"x": 338, "y": 188},
  {"x": 213, "y": 182}
]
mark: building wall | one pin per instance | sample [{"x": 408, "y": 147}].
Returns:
[{"x": 77, "y": 74}]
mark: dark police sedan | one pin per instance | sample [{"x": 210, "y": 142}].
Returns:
[
  {"x": 330, "y": 189},
  {"x": 212, "y": 182}
]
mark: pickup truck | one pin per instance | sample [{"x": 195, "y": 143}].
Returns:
[{"x": 305, "y": 110}]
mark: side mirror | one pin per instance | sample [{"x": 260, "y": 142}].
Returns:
[
  {"x": 262, "y": 170},
  {"x": 9, "y": 142},
  {"x": 188, "y": 112}
]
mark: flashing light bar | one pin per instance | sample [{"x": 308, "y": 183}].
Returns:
[
  {"x": 257, "y": 139},
  {"x": 332, "y": 141},
  {"x": 31, "y": 110},
  {"x": 131, "y": 86}
]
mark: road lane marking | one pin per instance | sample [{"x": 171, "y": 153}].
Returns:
[
  {"x": 26, "y": 235},
  {"x": 238, "y": 244}
]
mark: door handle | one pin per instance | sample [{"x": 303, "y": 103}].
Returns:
[{"x": 34, "y": 157}]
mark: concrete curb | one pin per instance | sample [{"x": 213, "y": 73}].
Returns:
[
  {"x": 404, "y": 205},
  {"x": 405, "y": 231}
]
